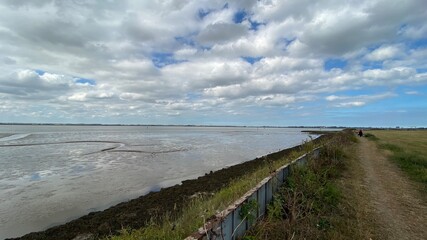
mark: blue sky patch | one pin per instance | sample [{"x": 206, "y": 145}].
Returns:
[
  {"x": 372, "y": 65},
  {"x": 85, "y": 81},
  {"x": 419, "y": 43},
  {"x": 203, "y": 13},
  {"x": 402, "y": 27},
  {"x": 255, "y": 25},
  {"x": 252, "y": 60},
  {"x": 373, "y": 47},
  {"x": 239, "y": 16},
  {"x": 286, "y": 42},
  {"x": 332, "y": 63},
  {"x": 163, "y": 59},
  {"x": 39, "y": 72},
  {"x": 390, "y": 104},
  {"x": 374, "y": 90},
  {"x": 205, "y": 48},
  {"x": 185, "y": 40},
  {"x": 193, "y": 96}
]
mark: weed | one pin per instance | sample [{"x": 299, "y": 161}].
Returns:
[
  {"x": 305, "y": 206},
  {"x": 249, "y": 210},
  {"x": 275, "y": 209}
]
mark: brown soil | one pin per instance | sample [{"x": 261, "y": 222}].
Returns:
[
  {"x": 137, "y": 212},
  {"x": 394, "y": 201}
]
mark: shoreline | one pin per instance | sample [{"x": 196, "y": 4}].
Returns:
[{"x": 137, "y": 212}]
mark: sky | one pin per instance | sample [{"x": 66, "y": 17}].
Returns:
[{"x": 211, "y": 62}]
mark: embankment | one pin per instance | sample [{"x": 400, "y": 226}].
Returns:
[{"x": 137, "y": 212}]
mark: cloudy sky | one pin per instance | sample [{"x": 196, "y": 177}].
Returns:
[{"x": 239, "y": 62}]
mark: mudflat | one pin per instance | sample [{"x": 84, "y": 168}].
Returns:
[{"x": 137, "y": 212}]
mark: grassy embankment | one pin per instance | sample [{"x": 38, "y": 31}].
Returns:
[
  {"x": 409, "y": 151},
  {"x": 203, "y": 206},
  {"x": 320, "y": 200}
]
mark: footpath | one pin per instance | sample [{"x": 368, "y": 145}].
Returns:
[{"x": 395, "y": 202}]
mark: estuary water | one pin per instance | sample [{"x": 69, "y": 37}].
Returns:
[{"x": 52, "y": 174}]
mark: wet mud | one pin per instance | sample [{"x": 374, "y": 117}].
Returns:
[
  {"x": 137, "y": 212},
  {"x": 54, "y": 143}
]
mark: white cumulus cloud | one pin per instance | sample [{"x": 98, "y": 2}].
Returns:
[{"x": 193, "y": 59}]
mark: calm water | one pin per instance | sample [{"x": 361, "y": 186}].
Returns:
[{"x": 53, "y": 174}]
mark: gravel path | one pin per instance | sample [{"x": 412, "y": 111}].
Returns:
[{"x": 398, "y": 206}]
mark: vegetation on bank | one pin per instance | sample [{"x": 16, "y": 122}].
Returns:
[
  {"x": 204, "y": 205},
  {"x": 317, "y": 201},
  {"x": 409, "y": 151},
  {"x": 311, "y": 204}
]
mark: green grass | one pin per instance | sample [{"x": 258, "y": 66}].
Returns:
[
  {"x": 371, "y": 136},
  {"x": 310, "y": 205},
  {"x": 196, "y": 213},
  {"x": 409, "y": 151},
  {"x": 200, "y": 208},
  {"x": 410, "y": 140}
]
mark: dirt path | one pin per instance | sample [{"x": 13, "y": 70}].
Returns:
[{"x": 395, "y": 201}]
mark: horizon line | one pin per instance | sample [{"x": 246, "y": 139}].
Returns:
[{"x": 213, "y": 125}]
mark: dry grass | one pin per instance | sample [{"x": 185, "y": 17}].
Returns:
[
  {"x": 409, "y": 152},
  {"x": 357, "y": 217},
  {"x": 411, "y": 140}
]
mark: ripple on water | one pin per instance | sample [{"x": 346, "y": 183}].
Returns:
[{"x": 14, "y": 137}]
